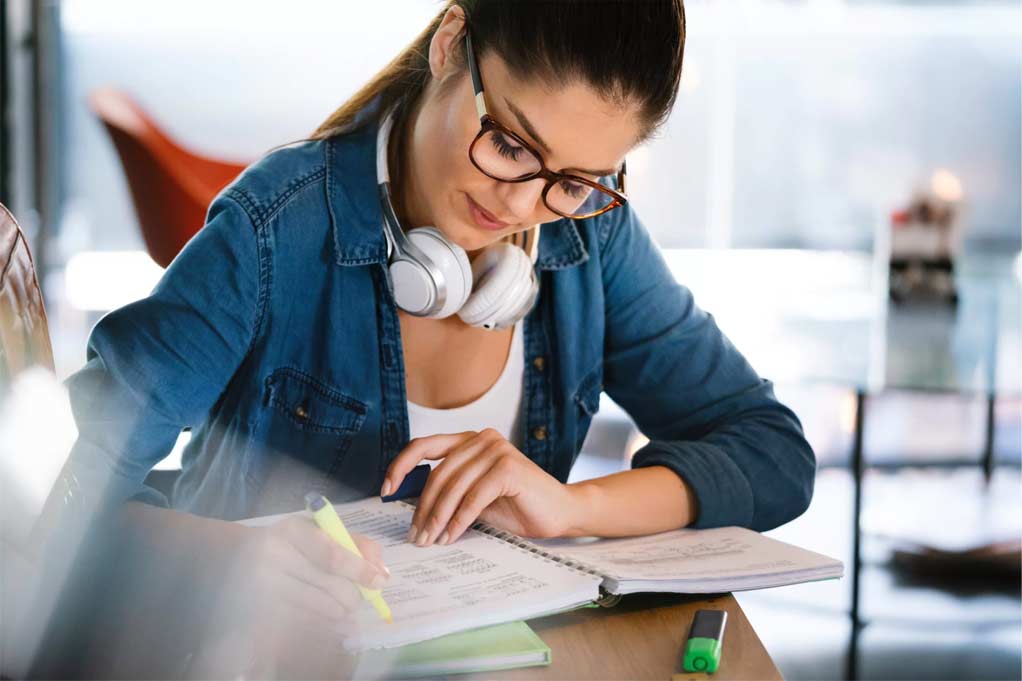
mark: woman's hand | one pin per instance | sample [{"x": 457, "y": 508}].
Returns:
[
  {"x": 293, "y": 568},
  {"x": 253, "y": 595},
  {"x": 482, "y": 476},
  {"x": 290, "y": 586}
]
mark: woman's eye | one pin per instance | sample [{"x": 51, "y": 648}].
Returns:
[
  {"x": 505, "y": 148},
  {"x": 575, "y": 190}
]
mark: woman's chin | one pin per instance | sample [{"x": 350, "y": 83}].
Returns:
[{"x": 471, "y": 239}]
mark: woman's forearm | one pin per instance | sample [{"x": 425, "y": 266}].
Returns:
[
  {"x": 632, "y": 502},
  {"x": 164, "y": 530},
  {"x": 166, "y": 544}
]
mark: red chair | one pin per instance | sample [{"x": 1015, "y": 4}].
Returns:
[{"x": 171, "y": 186}]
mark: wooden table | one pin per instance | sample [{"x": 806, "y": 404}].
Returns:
[{"x": 643, "y": 637}]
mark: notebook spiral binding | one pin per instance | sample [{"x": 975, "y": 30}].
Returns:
[{"x": 606, "y": 598}]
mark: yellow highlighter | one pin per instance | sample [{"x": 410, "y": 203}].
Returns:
[{"x": 326, "y": 517}]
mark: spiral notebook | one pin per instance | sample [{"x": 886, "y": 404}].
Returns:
[{"x": 490, "y": 576}]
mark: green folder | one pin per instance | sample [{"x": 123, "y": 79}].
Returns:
[{"x": 504, "y": 646}]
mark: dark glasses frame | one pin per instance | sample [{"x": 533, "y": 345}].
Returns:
[{"x": 487, "y": 124}]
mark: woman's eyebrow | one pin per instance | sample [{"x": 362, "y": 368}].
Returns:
[
  {"x": 524, "y": 122},
  {"x": 527, "y": 125}
]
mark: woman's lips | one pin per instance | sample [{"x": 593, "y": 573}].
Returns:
[{"x": 484, "y": 218}]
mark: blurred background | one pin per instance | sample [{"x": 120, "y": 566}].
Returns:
[{"x": 840, "y": 185}]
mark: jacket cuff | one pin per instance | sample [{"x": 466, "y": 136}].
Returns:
[
  {"x": 148, "y": 495},
  {"x": 721, "y": 489}
]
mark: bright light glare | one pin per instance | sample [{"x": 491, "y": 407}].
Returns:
[
  {"x": 37, "y": 431},
  {"x": 946, "y": 186},
  {"x": 107, "y": 280}
]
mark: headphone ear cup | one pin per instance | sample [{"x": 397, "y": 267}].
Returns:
[
  {"x": 503, "y": 276},
  {"x": 412, "y": 286},
  {"x": 452, "y": 262},
  {"x": 522, "y": 301}
]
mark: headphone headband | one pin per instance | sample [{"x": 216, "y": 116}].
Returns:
[{"x": 382, "y": 138}]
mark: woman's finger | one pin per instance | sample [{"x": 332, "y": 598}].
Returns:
[
  {"x": 431, "y": 447},
  {"x": 329, "y": 556},
  {"x": 435, "y": 519},
  {"x": 456, "y": 458},
  {"x": 341, "y": 590},
  {"x": 483, "y": 493},
  {"x": 370, "y": 550},
  {"x": 309, "y": 599}
]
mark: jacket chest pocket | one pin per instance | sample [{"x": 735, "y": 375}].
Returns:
[{"x": 308, "y": 427}]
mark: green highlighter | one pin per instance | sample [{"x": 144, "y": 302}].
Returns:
[{"x": 705, "y": 638}]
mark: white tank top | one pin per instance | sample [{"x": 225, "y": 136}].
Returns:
[{"x": 498, "y": 408}]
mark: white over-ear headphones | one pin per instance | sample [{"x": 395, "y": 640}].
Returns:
[{"x": 432, "y": 277}]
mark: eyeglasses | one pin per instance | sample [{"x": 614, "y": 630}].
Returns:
[{"x": 501, "y": 154}]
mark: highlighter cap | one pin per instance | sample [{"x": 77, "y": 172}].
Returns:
[
  {"x": 705, "y": 638},
  {"x": 702, "y": 655},
  {"x": 315, "y": 501}
]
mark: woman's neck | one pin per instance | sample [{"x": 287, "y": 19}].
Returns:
[{"x": 404, "y": 190}]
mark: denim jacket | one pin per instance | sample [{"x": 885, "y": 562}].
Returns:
[{"x": 274, "y": 336}]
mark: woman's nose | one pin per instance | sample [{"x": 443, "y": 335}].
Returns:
[{"x": 523, "y": 199}]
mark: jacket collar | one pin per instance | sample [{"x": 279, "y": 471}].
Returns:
[
  {"x": 357, "y": 220},
  {"x": 354, "y": 202}
]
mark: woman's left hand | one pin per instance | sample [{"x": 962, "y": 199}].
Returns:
[{"x": 482, "y": 476}]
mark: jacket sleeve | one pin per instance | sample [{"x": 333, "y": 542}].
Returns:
[
  {"x": 159, "y": 364},
  {"x": 709, "y": 417}
]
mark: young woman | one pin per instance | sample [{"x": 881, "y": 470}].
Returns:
[{"x": 311, "y": 343}]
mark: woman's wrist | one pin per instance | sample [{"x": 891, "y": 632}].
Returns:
[
  {"x": 629, "y": 503},
  {"x": 583, "y": 506}
]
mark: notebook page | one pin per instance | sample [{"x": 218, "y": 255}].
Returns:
[
  {"x": 476, "y": 581},
  {"x": 728, "y": 557}
]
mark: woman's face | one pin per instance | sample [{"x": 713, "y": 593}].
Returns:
[{"x": 571, "y": 127}]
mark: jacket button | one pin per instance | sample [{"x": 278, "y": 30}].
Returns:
[
  {"x": 539, "y": 363},
  {"x": 539, "y": 432},
  {"x": 301, "y": 413}
]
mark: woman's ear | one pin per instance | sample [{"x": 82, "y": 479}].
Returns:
[{"x": 442, "y": 60}]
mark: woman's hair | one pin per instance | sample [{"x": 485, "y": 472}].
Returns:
[{"x": 627, "y": 50}]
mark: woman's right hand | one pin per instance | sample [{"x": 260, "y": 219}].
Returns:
[
  {"x": 284, "y": 589},
  {"x": 243, "y": 594},
  {"x": 294, "y": 569}
]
